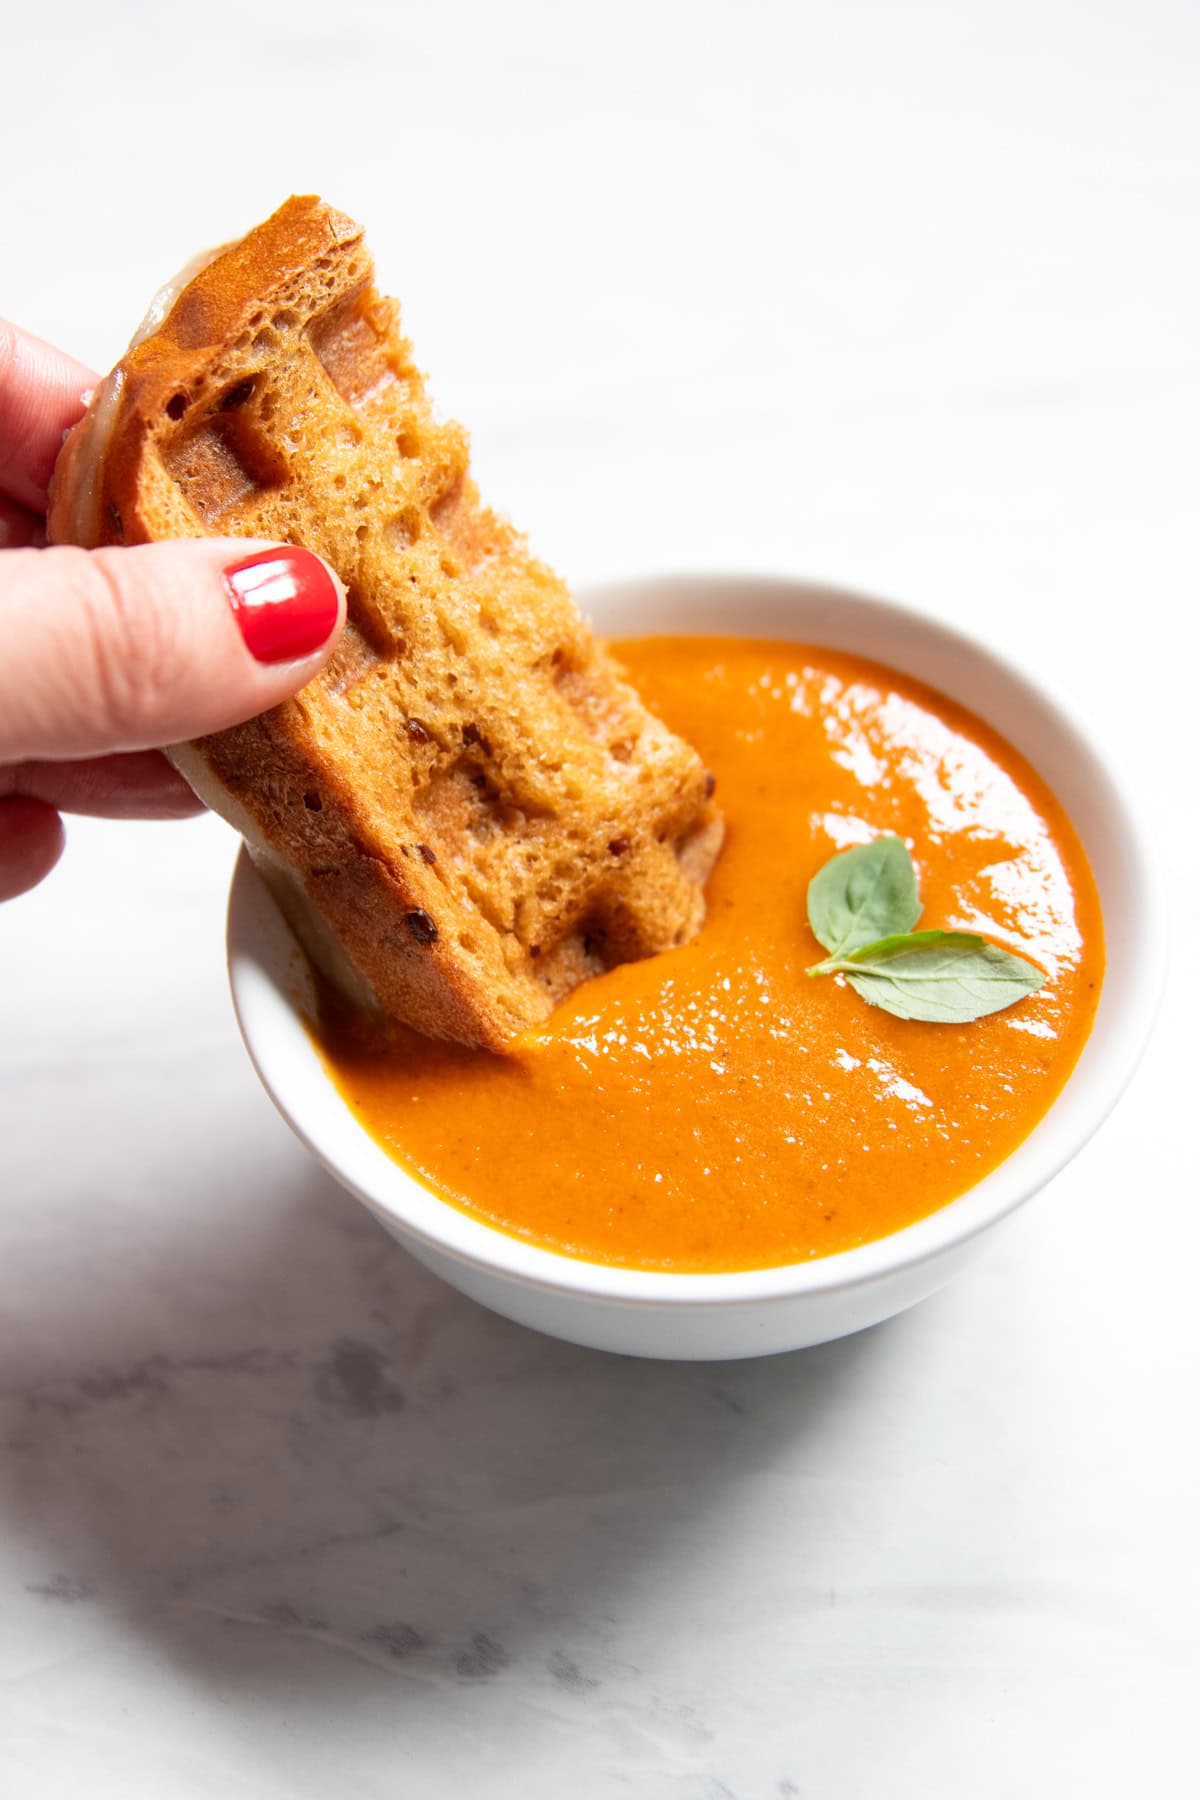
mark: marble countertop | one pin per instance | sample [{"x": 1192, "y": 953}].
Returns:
[{"x": 900, "y": 297}]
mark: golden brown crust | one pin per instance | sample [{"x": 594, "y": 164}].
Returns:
[{"x": 469, "y": 795}]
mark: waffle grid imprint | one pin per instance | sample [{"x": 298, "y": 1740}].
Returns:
[{"x": 472, "y": 796}]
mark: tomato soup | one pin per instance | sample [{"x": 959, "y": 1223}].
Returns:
[{"x": 713, "y": 1108}]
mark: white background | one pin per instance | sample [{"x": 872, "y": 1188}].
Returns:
[{"x": 907, "y": 297}]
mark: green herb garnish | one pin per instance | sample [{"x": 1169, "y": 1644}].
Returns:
[
  {"x": 863, "y": 895},
  {"x": 862, "y": 906}
]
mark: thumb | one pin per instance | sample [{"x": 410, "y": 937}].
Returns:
[{"x": 124, "y": 649}]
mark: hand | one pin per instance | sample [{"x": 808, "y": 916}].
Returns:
[{"x": 105, "y": 654}]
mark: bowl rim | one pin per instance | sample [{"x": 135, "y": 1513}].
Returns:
[{"x": 271, "y": 1022}]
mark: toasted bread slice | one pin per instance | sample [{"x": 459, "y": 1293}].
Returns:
[{"x": 469, "y": 811}]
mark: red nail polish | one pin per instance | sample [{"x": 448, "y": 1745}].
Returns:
[{"x": 285, "y": 602}]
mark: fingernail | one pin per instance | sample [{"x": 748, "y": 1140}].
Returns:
[{"x": 285, "y": 602}]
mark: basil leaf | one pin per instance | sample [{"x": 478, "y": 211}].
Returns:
[
  {"x": 947, "y": 977},
  {"x": 863, "y": 895}
]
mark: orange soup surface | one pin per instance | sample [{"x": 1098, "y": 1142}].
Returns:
[{"x": 713, "y": 1108}]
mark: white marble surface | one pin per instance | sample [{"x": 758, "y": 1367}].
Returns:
[{"x": 902, "y": 296}]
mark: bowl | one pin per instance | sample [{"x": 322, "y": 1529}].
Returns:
[{"x": 749, "y": 1312}]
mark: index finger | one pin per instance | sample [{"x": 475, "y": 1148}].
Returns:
[{"x": 41, "y": 396}]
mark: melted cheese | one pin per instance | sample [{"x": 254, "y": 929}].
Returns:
[{"x": 77, "y": 513}]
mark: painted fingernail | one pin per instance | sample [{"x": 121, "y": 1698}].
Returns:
[{"x": 285, "y": 602}]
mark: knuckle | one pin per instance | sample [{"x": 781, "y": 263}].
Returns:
[
  {"x": 132, "y": 652},
  {"x": 8, "y": 352},
  {"x": 10, "y": 438}
]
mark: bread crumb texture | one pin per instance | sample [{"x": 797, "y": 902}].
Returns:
[{"x": 471, "y": 796}]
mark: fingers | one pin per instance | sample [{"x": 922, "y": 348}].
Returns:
[
  {"x": 142, "y": 785},
  {"x": 114, "y": 650},
  {"x": 41, "y": 396},
  {"x": 31, "y": 841}
]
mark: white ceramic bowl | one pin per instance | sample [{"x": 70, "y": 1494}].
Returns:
[{"x": 754, "y": 1312}]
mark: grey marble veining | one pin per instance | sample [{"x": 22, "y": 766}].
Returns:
[
  {"x": 311, "y": 1455},
  {"x": 330, "y": 1522},
  {"x": 899, "y": 297}
]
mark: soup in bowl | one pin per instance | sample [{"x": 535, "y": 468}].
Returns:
[{"x": 713, "y": 1153}]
